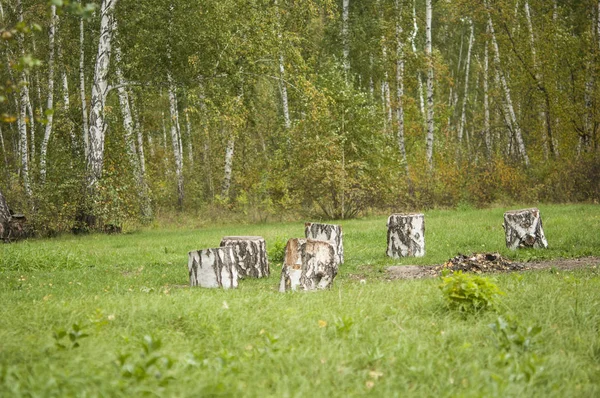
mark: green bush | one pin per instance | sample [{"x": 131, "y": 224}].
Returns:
[{"x": 469, "y": 293}]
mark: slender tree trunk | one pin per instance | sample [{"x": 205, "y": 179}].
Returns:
[
  {"x": 99, "y": 91},
  {"x": 140, "y": 138},
  {"x": 176, "y": 140},
  {"x": 345, "y": 39},
  {"x": 400, "y": 84},
  {"x": 463, "y": 116},
  {"x": 23, "y": 102},
  {"x": 50, "y": 102},
  {"x": 486, "y": 103},
  {"x": 188, "y": 130},
  {"x": 429, "y": 54},
  {"x": 228, "y": 166},
  {"x": 6, "y": 164},
  {"x": 414, "y": 49},
  {"x": 86, "y": 128},
  {"x": 282, "y": 84},
  {"x": 506, "y": 89},
  {"x": 31, "y": 114}
]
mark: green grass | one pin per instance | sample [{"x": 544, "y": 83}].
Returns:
[{"x": 381, "y": 338}]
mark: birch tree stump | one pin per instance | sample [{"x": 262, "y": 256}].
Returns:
[
  {"x": 291, "y": 269},
  {"x": 250, "y": 255},
  {"x": 213, "y": 268},
  {"x": 406, "y": 235},
  {"x": 328, "y": 232},
  {"x": 308, "y": 265},
  {"x": 523, "y": 228}
]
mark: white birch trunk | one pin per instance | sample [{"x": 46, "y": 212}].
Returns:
[
  {"x": 188, "y": 130},
  {"x": 429, "y": 54},
  {"x": 176, "y": 140},
  {"x": 50, "y": 102},
  {"x": 99, "y": 91},
  {"x": 66, "y": 99},
  {"x": 486, "y": 103},
  {"x": 250, "y": 255},
  {"x": 511, "y": 110},
  {"x": 463, "y": 116},
  {"x": 414, "y": 49},
  {"x": 523, "y": 228},
  {"x": 213, "y": 268},
  {"x": 4, "y": 154},
  {"x": 345, "y": 39},
  {"x": 308, "y": 265},
  {"x": 31, "y": 114},
  {"x": 86, "y": 128},
  {"x": 228, "y": 166},
  {"x": 282, "y": 84},
  {"x": 23, "y": 102},
  {"x": 400, "y": 85},
  {"x": 406, "y": 235}
]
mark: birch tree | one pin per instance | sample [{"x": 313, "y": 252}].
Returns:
[
  {"x": 86, "y": 128},
  {"x": 50, "y": 102},
  {"x": 508, "y": 100},
  {"x": 345, "y": 39},
  {"x": 466, "y": 90},
  {"x": 23, "y": 103},
  {"x": 429, "y": 54},
  {"x": 413, "y": 37},
  {"x": 99, "y": 92},
  {"x": 400, "y": 84}
]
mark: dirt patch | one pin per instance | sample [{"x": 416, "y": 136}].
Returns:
[{"x": 464, "y": 263}]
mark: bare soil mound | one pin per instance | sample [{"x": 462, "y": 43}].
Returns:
[{"x": 485, "y": 263}]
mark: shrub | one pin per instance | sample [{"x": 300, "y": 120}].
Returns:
[{"x": 469, "y": 293}]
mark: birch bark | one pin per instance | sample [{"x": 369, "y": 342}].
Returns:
[
  {"x": 400, "y": 84},
  {"x": 345, "y": 41},
  {"x": 176, "y": 140},
  {"x": 429, "y": 54},
  {"x": 86, "y": 128},
  {"x": 463, "y": 117},
  {"x": 414, "y": 49},
  {"x": 50, "y": 102},
  {"x": 486, "y": 103},
  {"x": 228, "y": 166},
  {"x": 509, "y": 104},
  {"x": 283, "y": 86},
  {"x": 23, "y": 102},
  {"x": 99, "y": 91}
]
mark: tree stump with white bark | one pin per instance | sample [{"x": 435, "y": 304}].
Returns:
[
  {"x": 406, "y": 235},
  {"x": 523, "y": 228},
  {"x": 250, "y": 255},
  {"x": 213, "y": 268},
  {"x": 308, "y": 265},
  {"x": 330, "y": 233}
]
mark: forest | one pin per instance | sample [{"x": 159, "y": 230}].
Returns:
[{"x": 119, "y": 111}]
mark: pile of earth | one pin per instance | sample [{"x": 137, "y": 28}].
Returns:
[
  {"x": 487, "y": 262},
  {"x": 479, "y": 263}
]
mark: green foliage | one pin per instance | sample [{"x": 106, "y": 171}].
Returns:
[
  {"x": 276, "y": 252},
  {"x": 470, "y": 293},
  {"x": 75, "y": 334},
  {"x": 150, "y": 364},
  {"x": 515, "y": 354}
]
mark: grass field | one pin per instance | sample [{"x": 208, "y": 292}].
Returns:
[{"x": 111, "y": 316}]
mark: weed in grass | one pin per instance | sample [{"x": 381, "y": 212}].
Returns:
[
  {"x": 469, "y": 293},
  {"x": 75, "y": 334},
  {"x": 150, "y": 364},
  {"x": 277, "y": 251},
  {"x": 515, "y": 355}
]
